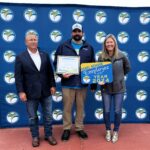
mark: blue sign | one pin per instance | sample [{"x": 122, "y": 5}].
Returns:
[{"x": 96, "y": 72}]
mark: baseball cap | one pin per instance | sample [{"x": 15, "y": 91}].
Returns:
[{"x": 77, "y": 26}]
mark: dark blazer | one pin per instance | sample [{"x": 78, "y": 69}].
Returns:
[{"x": 34, "y": 83}]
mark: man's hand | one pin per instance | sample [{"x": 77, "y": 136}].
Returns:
[
  {"x": 23, "y": 96},
  {"x": 67, "y": 75},
  {"x": 53, "y": 90}
]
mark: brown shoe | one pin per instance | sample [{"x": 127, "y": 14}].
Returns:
[
  {"x": 51, "y": 140},
  {"x": 35, "y": 142}
]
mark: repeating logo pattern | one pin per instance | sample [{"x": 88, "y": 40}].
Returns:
[
  {"x": 57, "y": 114},
  {"x": 141, "y": 95},
  {"x": 142, "y": 76},
  {"x": 101, "y": 17},
  {"x": 12, "y": 117},
  {"x": 56, "y": 36},
  {"x": 141, "y": 113},
  {"x": 100, "y": 36},
  {"x": 49, "y": 24},
  {"x": 57, "y": 97},
  {"x": 123, "y": 37},
  {"x": 145, "y": 18},
  {"x": 143, "y": 56},
  {"x": 6, "y": 14},
  {"x": 144, "y": 37},
  {"x": 78, "y": 15},
  {"x": 11, "y": 98},
  {"x": 124, "y": 18},
  {"x": 9, "y": 56},
  {"x": 9, "y": 78},
  {"x": 55, "y": 15},
  {"x": 8, "y": 35},
  {"x": 30, "y": 15}
]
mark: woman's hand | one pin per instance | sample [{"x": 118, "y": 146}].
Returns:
[{"x": 101, "y": 83}]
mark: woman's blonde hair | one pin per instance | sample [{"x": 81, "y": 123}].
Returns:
[{"x": 104, "y": 53}]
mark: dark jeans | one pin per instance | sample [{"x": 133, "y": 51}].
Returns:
[
  {"x": 117, "y": 101},
  {"x": 32, "y": 107}
]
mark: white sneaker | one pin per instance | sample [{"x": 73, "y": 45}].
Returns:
[
  {"x": 108, "y": 135},
  {"x": 115, "y": 137}
]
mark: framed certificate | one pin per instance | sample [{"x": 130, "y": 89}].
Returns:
[{"x": 68, "y": 64}]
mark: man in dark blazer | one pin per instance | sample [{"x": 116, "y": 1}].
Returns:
[{"x": 35, "y": 83}]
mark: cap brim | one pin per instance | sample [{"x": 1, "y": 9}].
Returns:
[{"x": 76, "y": 29}]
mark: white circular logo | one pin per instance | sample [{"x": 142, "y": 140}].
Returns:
[
  {"x": 55, "y": 15},
  {"x": 142, "y": 76},
  {"x": 9, "y": 56},
  {"x": 39, "y": 115},
  {"x": 141, "y": 113},
  {"x": 53, "y": 55},
  {"x": 99, "y": 113},
  {"x": 144, "y": 37},
  {"x": 74, "y": 114},
  {"x": 9, "y": 78},
  {"x": 78, "y": 15},
  {"x": 57, "y": 78},
  {"x": 141, "y": 95},
  {"x": 98, "y": 95},
  {"x": 123, "y": 37},
  {"x": 145, "y": 18},
  {"x": 100, "y": 36},
  {"x": 143, "y": 56},
  {"x": 124, "y": 113},
  {"x": 86, "y": 79},
  {"x": 6, "y": 14},
  {"x": 57, "y": 115},
  {"x": 12, "y": 117},
  {"x": 125, "y": 96},
  {"x": 97, "y": 55},
  {"x": 56, "y": 36},
  {"x": 125, "y": 77},
  {"x": 30, "y": 15},
  {"x": 57, "y": 97},
  {"x": 101, "y": 17},
  {"x": 8, "y": 35},
  {"x": 124, "y": 18},
  {"x": 11, "y": 98}
]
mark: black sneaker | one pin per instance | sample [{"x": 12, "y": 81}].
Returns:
[
  {"x": 66, "y": 135},
  {"x": 82, "y": 134}
]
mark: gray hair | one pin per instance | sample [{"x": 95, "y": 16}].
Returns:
[{"x": 31, "y": 33}]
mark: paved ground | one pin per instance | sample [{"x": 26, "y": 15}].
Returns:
[{"x": 132, "y": 137}]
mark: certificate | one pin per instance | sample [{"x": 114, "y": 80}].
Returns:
[{"x": 68, "y": 64}]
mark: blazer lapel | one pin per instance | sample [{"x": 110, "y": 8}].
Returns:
[
  {"x": 42, "y": 59},
  {"x": 30, "y": 61}
]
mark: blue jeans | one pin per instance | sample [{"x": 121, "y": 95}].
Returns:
[
  {"x": 32, "y": 107},
  {"x": 117, "y": 101}
]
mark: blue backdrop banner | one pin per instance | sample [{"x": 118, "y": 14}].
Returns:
[{"x": 52, "y": 23}]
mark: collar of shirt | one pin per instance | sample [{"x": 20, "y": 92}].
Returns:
[{"x": 37, "y": 52}]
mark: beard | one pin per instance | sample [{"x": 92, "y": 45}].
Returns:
[{"x": 77, "y": 37}]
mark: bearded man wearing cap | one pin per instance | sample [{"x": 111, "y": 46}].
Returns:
[{"x": 72, "y": 88}]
